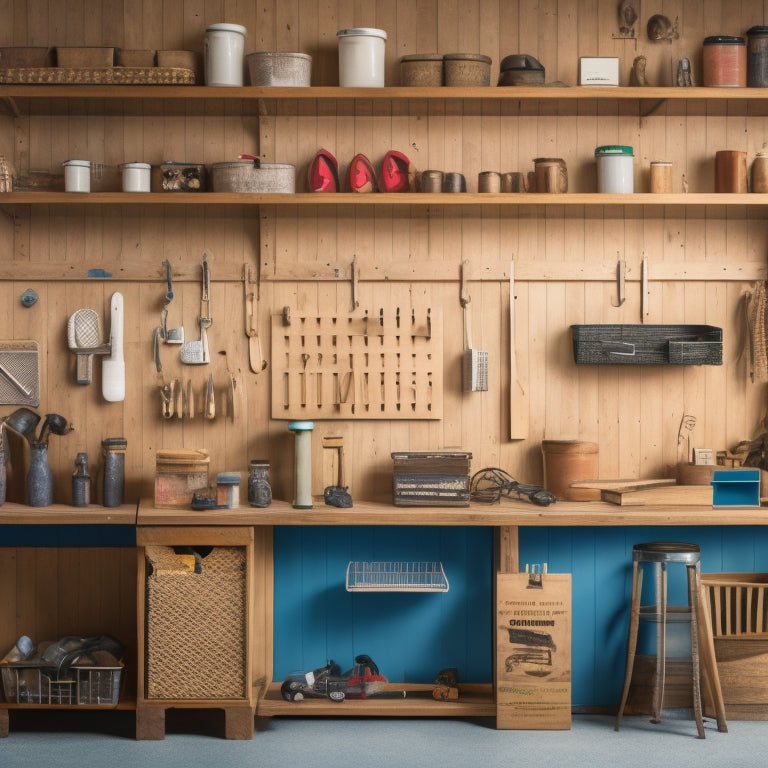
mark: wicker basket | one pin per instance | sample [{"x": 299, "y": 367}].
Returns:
[
  {"x": 196, "y": 625},
  {"x": 421, "y": 70},
  {"x": 647, "y": 344},
  {"x": 467, "y": 69},
  {"x": 252, "y": 176},
  {"x": 280, "y": 69},
  {"x": 105, "y": 76}
]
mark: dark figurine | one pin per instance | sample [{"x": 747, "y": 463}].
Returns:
[{"x": 336, "y": 496}]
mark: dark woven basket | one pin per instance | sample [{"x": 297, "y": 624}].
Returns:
[{"x": 647, "y": 344}]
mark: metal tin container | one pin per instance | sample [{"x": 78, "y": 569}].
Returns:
[
  {"x": 361, "y": 57},
  {"x": 615, "y": 169},
  {"x": 136, "y": 177},
  {"x": 224, "y": 54},
  {"x": 757, "y": 57},
  {"x": 77, "y": 175},
  {"x": 252, "y": 176},
  {"x": 724, "y": 61}
]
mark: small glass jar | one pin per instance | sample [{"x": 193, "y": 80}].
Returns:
[{"x": 259, "y": 489}]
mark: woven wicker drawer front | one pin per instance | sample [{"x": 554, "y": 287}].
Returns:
[
  {"x": 196, "y": 625},
  {"x": 647, "y": 344}
]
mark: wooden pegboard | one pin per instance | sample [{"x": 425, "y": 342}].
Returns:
[{"x": 383, "y": 366}]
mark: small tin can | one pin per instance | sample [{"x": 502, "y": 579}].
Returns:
[
  {"x": 137, "y": 177},
  {"x": 724, "y": 61},
  {"x": 757, "y": 57},
  {"x": 615, "y": 169},
  {"x": 489, "y": 181},
  {"x": 431, "y": 181},
  {"x": 77, "y": 175}
]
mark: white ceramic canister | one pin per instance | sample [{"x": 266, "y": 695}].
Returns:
[
  {"x": 77, "y": 175},
  {"x": 615, "y": 169},
  {"x": 225, "y": 54},
  {"x": 136, "y": 177},
  {"x": 361, "y": 57}
]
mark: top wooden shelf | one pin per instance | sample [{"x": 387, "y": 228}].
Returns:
[
  {"x": 72, "y": 99},
  {"x": 507, "y": 513}
]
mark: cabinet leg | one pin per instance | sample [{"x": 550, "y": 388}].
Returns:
[
  {"x": 4, "y": 723},
  {"x": 238, "y": 722},
  {"x": 150, "y": 723}
]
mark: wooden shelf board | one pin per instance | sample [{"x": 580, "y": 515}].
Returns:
[
  {"x": 474, "y": 701},
  {"x": 64, "y": 514},
  {"x": 393, "y": 199},
  {"x": 514, "y": 93},
  {"x": 508, "y": 513}
]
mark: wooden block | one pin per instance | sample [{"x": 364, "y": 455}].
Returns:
[
  {"x": 238, "y": 722},
  {"x": 150, "y": 723},
  {"x": 623, "y": 485},
  {"x": 672, "y": 494}
]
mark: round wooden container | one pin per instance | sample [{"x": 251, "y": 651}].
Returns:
[
  {"x": 730, "y": 171},
  {"x": 760, "y": 173},
  {"x": 467, "y": 69},
  {"x": 565, "y": 462},
  {"x": 421, "y": 70}
]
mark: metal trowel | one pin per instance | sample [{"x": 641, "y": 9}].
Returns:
[{"x": 196, "y": 352}]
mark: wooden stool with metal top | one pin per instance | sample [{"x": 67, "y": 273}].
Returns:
[{"x": 660, "y": 554}]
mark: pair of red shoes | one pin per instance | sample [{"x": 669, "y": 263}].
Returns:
[{"x": 395, "y": 173}]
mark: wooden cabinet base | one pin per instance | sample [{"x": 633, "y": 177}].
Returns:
[{"x": 150, "y": 719}]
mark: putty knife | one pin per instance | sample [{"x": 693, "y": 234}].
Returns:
[{"x": 113, "y": 367}]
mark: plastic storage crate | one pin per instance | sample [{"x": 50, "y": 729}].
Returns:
[{"x": 83, "y": 685}]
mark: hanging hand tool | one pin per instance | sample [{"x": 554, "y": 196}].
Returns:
[
  {"x": 170, "y": 335},
  {"x": 210, "y": 399},
  {"x": 196, "y": 352},
  {"x": 255, "y": 355},
  {"x": 113, "y": 367}
]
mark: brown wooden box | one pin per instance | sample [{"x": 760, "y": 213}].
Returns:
[{"x": 88, "y": 57}]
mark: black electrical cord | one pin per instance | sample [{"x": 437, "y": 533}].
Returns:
[{"x": 490, "y": 484}]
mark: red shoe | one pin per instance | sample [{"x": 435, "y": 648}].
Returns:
[
  {"x": 362, "y": 177},
  {"x": 323, "y": 173},
  {"x": 395, "y": 173}
]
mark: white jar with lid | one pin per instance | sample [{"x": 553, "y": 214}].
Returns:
[
  {"x": 225, "y": 55},
  {"x": 361, "y": 57},
  {"x": 136, "y": 177},
  {"x": 77, "y": 175},
  {"x": 615, "y": 169}
]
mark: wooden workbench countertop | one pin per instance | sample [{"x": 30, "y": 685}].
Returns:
[{"x": 507, "y": 513}]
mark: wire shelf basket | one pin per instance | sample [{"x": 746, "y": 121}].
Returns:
[{"x": 388, "y": 576}]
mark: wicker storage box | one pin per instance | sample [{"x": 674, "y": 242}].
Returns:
[
  {"x": 253, "y": 176},
  {"x": 280, "y": 69},
  {"x": 467, "y": 69},
  {"x": 647, "y": 344},
  {"x": 89, "y": 57},
  {"x": 196, "y": 625},
  {"x": 12, "y": 58},
  {"x": 421, "y": 70},
  {"x": 134, "y": 57},
  {"x": 738, "y": 604}
]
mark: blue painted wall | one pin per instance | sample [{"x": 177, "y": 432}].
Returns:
[{"x": 412, "y": 636}]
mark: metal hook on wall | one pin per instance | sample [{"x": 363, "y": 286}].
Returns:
[{"x": 621, "y": 271}]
